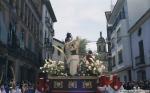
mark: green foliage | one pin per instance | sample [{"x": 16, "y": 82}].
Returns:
[{"x": 82, "y": 47}]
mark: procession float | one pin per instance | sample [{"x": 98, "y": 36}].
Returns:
[{"x": 78, "y": 74}]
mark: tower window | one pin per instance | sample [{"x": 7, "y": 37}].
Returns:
[{"x": 99, "y": 48}]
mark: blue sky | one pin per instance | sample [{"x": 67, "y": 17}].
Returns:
[{"x": 83, "y": 18}]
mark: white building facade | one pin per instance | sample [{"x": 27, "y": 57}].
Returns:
[
  {"x": 48, "y": 19},
  {"x": 140, "y": 47},
  {"x": 122, "y": 18},
  {"x": 120, "y": 52}
]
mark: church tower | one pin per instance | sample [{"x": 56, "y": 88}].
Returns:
[{"x": 101, "y": 48}]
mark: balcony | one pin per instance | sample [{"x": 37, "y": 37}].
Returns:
[
  {"x": 48, "y": 23},
  {"x": 47, "y": 43},
  {"x": 24, "y": 54},
  {"x": 2, "y": 47},
  {"x": 52, "y": 32},
  {"x": 139, "y": 60}
]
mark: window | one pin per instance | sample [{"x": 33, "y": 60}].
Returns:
[
  {"x": 24, "y": 11},
  {"x": 141, "y": 75},
  {"x": 120, "y": 59},
  {"x": 113, "y": 61},
  {"x": 140, "y": 31},
  {"x": 104, "y": 48},
  {"x": 112, "y": 43},
  {"x": 22, "y": 39},
  {"x": 123, "y": 13},
  {"x": 125, "y": 78},
  {"x": 10, "y": 34},
  {"x": 141, "y": 51},
  {"x": 26, "y": 14},
  {"x": 120, "y": 16},
  {"x": 118, "y": 35},
  {"x": 99, "y": 49},
  {"x": 30, "y": 43}
]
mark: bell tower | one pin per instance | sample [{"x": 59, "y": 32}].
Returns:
[{"x": 101, "y": 47}]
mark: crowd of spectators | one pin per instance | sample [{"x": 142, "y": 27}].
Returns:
[
  {"x": 24, "y": 87},
  {"x": 145, "y": 85}
]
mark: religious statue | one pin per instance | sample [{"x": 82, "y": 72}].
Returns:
[
  {"x": 89, "y": 57},
  {"x": 72, "y": 51}
]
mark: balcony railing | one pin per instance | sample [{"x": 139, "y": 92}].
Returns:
[
  {"x": 139, "y": 60},
  {"x": 22, "y": 53},
  {"x": 47, "y": 21},
  {"x": 2, "y": 45},
  {"x": 47, "y": 43}
]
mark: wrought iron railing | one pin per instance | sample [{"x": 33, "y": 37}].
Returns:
[
  {"x": 139, "y": 60},
  {"x": 25, "y": 54}
]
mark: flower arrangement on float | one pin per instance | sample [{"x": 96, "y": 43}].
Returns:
[
  {"x": 53, "y": 68},
  {"x": 85, "y": 68},
  {"x": 94, "y": 68}
]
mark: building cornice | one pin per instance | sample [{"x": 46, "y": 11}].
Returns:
[
  {"x": 116, "y": 10},
  {"x": 121, "y": 69},
  {"x": 50, "y": 10},
  {"x": 140, "y": 21}
]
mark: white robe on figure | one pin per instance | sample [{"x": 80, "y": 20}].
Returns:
[
  {"x": 73, "y": 64},
  {"x": 73, "y": 58}
]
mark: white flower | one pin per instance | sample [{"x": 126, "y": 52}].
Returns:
[
  {"x": 92, "y": 64},
  {"x": 87, "y": 62},
  {"x": 97, "y": 62},
  {"x": 90, "y": 67},
  {"x": 94, "y": 68},
  {"x": 103, "y": 67},
  {"x": 41, "y": 67},
  {"x": 100, "y": 69},
  {"x": 100, "y": 62}
]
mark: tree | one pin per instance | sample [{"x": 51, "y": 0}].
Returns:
[{"x": 82, "y": 47}]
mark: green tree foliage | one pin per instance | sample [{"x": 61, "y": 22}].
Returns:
[{"x": 82, "y": 47}]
